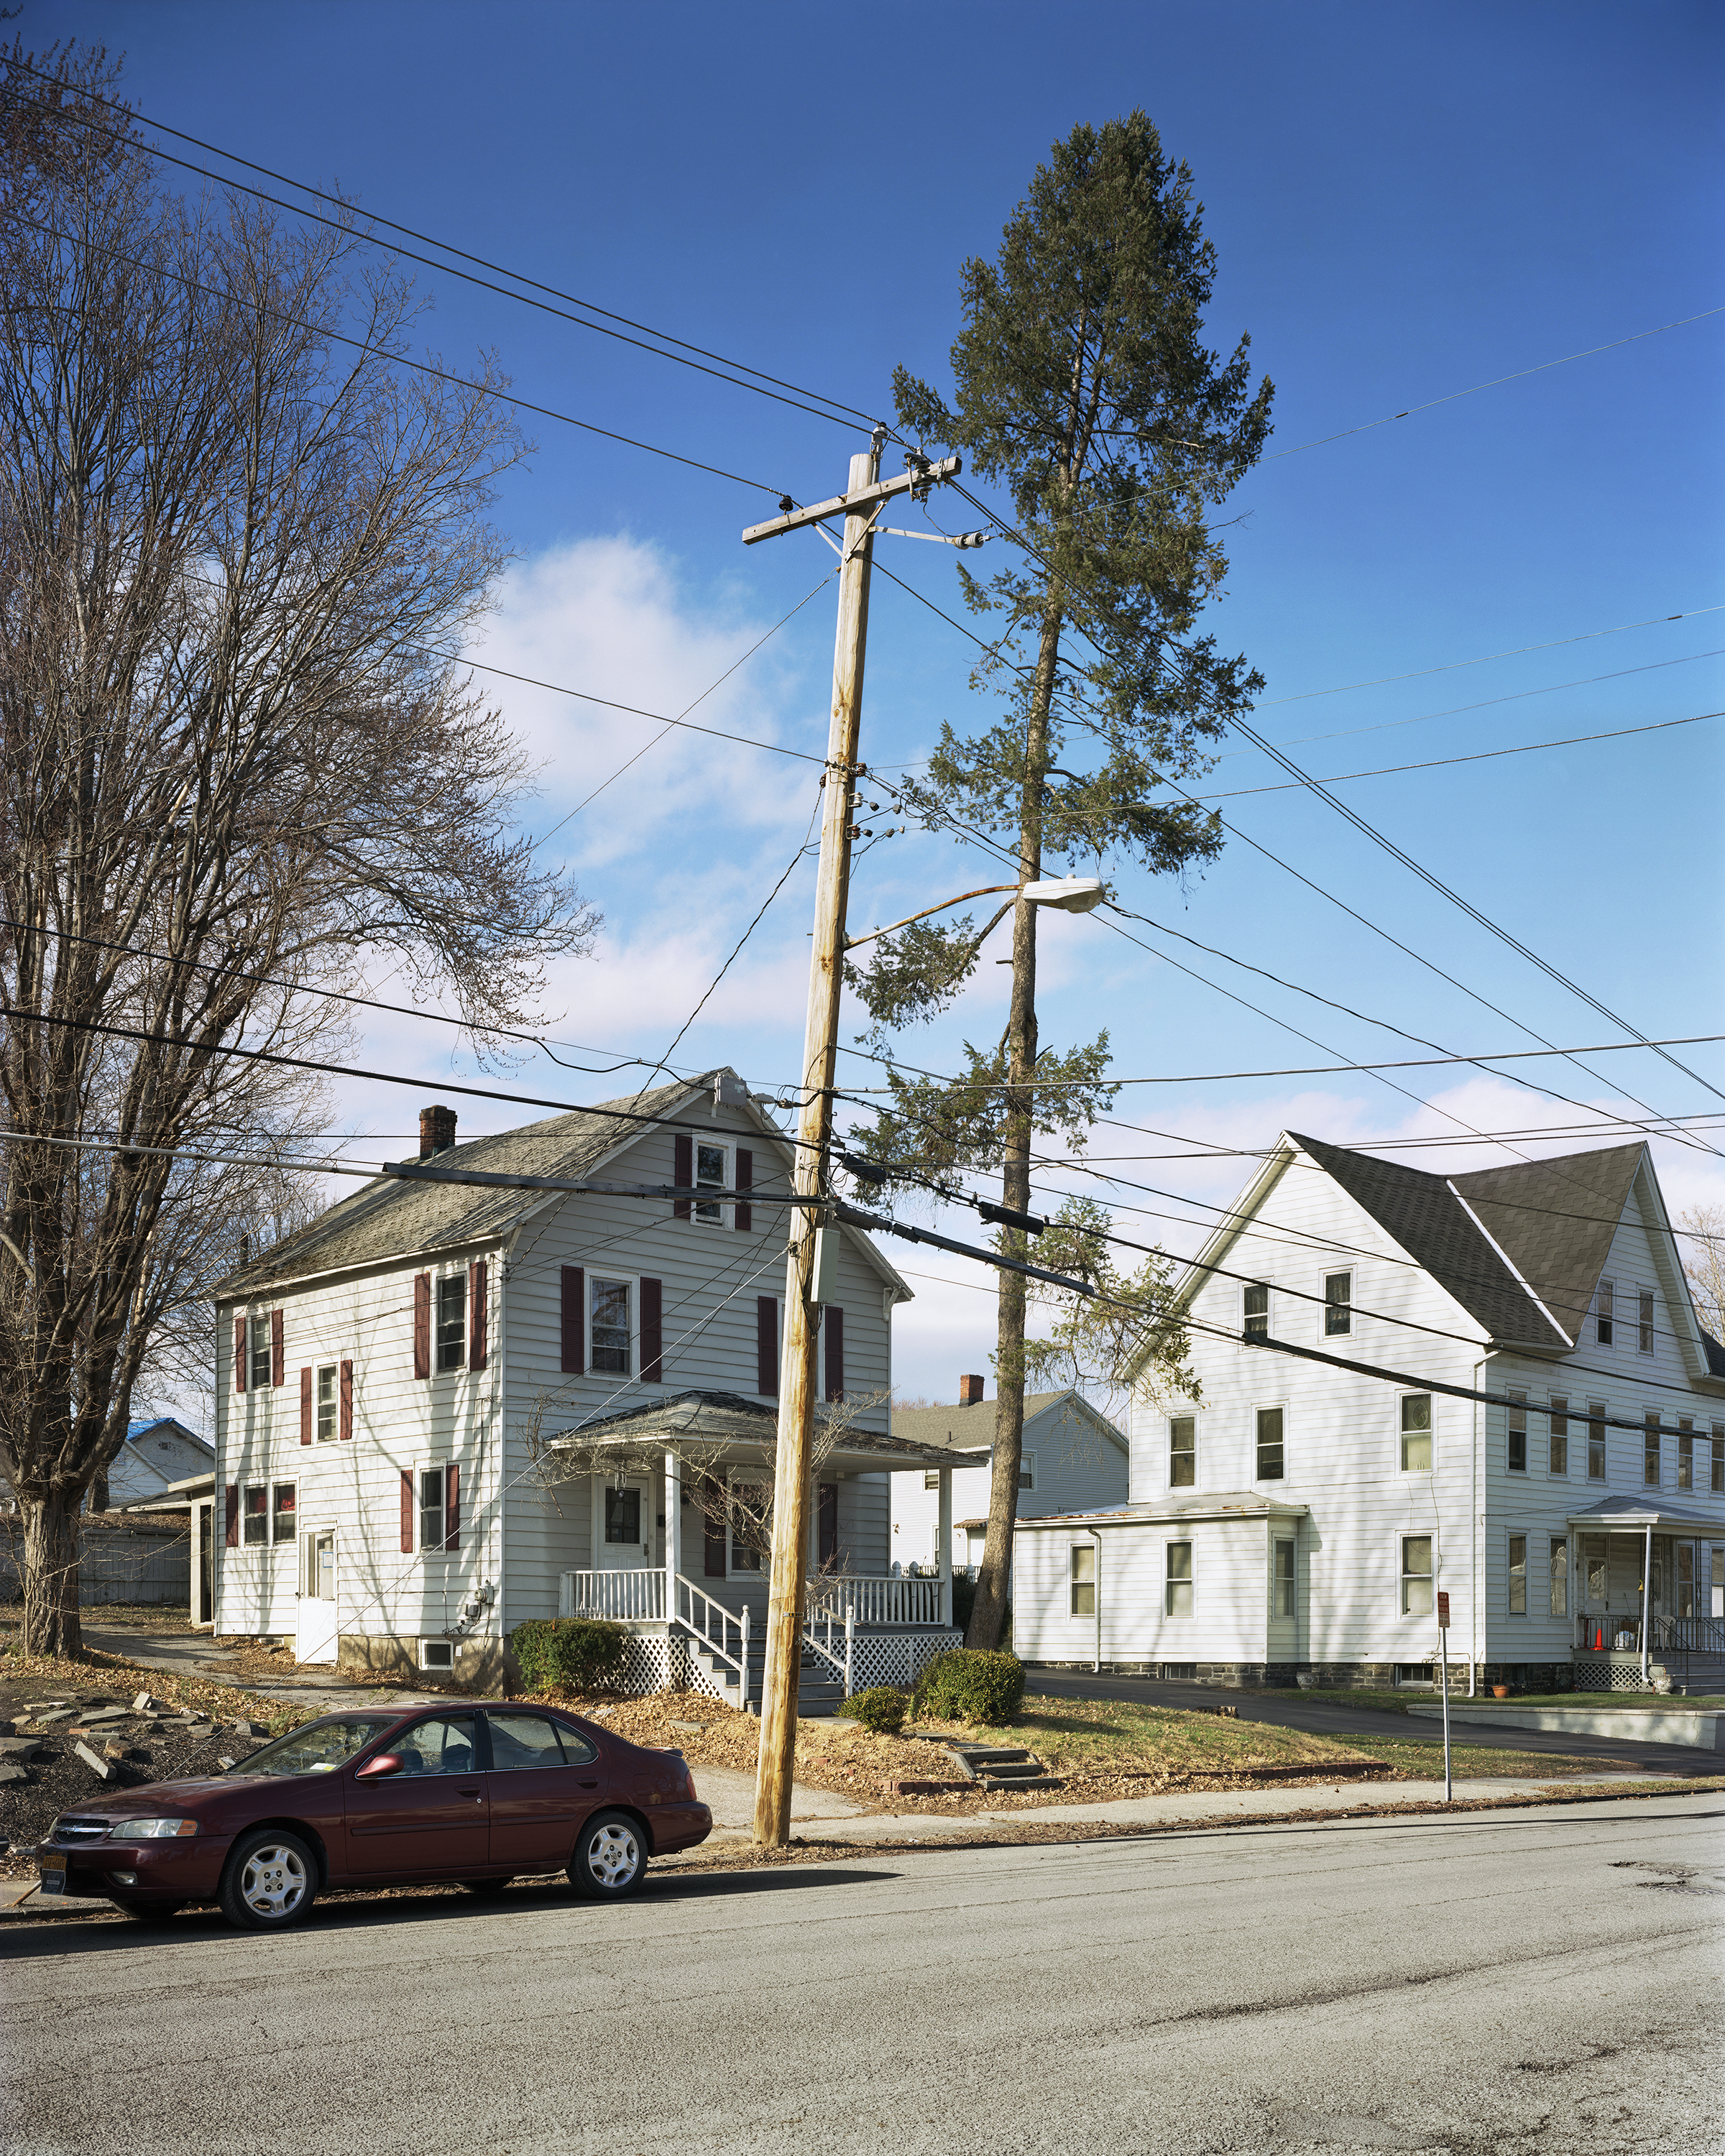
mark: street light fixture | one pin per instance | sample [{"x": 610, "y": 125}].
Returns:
[{"x": 1068, "y": 894}]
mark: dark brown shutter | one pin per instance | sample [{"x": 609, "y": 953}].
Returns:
[
  {"x": 407, "y": 1509},
  {"x": 652, "y": 1331},
  {"x": 766, "y": 1345},
  {"x": 574, "y": 1320},
  {"x": 827, "y": 1541},
  {"x": 347, "y": 1399},
  {"x": 682, "y": 1171},
  {"x": 745, "y": 1181},
  {"x": 476, "y": 1314},
  {"x": 421, "y": 1324},
  {"x": 239, "y": 1344},
  {"x": 278, "y": 1349},
  {"x": 233, "y": 1499},
  {"x": 452, "y": 1507},
  {"x": 834, "y": 1352},
  {"x": 305, "y": 1382},
  {"x": 712, "y": 1519}
]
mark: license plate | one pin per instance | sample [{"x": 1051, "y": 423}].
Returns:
[{"x": 53, "y": 1882}]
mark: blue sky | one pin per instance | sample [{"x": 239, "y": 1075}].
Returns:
[{"x": 1405, "y": 201}]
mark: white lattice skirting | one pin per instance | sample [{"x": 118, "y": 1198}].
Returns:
[
  {"x": 652, "y": 1662},
  {"x": 895, "y": 1658}
]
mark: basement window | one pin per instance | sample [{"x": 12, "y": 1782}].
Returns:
[{"x": 437, "y": 1655}]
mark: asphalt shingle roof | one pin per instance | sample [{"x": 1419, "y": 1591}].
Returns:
[
  {"x": 1556, "y": 1220},
  {"x": 965, "y": 1429},
  {"x": 387, "y": 1219}
]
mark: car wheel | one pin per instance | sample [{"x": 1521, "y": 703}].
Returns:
[
  {"x": 487, "y": 1888},
  {"x": 610, "y": 1859},
  {"x": 270, "y": 1881},
  {"x": 147, "y": 1912}
]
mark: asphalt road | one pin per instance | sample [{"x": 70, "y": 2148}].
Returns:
[
  {"x": 1529, "y": 1984},
  {"x": 1330, "y": 1718}
]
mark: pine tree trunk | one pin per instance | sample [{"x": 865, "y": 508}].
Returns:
[
  {"x": 988, "y": 1617},
  {"x": 52, "y": 1625}
]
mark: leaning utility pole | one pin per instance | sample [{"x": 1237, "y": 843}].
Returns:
[{"x": 860, "y": 505}]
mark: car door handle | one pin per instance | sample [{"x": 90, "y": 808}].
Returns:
[
  {"x": 589, "y": 1785},
  {"x": 477, "y": 1795}
]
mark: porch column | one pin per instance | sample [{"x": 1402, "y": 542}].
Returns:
[
  {"x": 945, "y": 1535},
  {"x": 673, "y": 1531},
  {"x": 1646, "y": 1599}
]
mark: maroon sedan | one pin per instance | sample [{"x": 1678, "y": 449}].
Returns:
[{"x": 474, "y": 1794}]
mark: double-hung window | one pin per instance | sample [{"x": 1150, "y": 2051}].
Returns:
[
  {"x": 452, "y": 1321},
  {"x": 285, "y": 1515},
  {"x": 259, "y": 1375},
  {"x": 1604, "y": 1313},
  {"x": 1650, "y": 1448},
  {"x": 1686, "y": 1579},
  {"x": 1517, "y": 1449},
  {"x": 1686, "y": 1452},
  {"x": 1518, "y": 1575},
  {"x": 709, "y": 1175},
  {"x": 1717, "y": 1481},
  {"x": 1416, "y": 1575},
  {"x": 931, "y": 1478},
  {"x": 434, "y": 1509},
  {"x": 1559, "y": 1575},
  {"x": 1596, "y": 1440},
  {"x": 1416, "y": 1432},
  {"x": 610, "y": 1346},
  {"x": 1182, "y": 1452},
  {"x": 1644, "y": 1321},
  {"x": 1027, "y": 1470},
  {"x": 254, "y": 1514},
  {"x": 1558, "y": 1457},
  {"x": 1271, "y": 1454},
  {"x": 1338, "y": 1304},
  {"x": 1283, "y": 1602},
  {"x": 1179, "y": 1579},
  {"x": 327, "y": 1401},
  {"x": 1082, "y": 1579},
  {"x": 1255, "y": 1310}
]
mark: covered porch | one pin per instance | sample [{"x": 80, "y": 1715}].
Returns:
[
  {"x": 679, "y": 1549},
  {"x": 1650, "y": 1592}
]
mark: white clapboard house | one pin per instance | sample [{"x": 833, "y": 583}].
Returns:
[
  {"x": 1072, "y": 1460},
  {"x": 446, "y": 1407},
  {"x": 1300, "y": 1517}
]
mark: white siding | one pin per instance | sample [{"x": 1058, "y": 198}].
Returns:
[{"x": 1078, "y": 1468}]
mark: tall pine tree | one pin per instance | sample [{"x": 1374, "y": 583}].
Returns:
[{"x": 1082, "y": 384}]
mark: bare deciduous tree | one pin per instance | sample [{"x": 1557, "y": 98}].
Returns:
[
  {"x": 1704, "y": 1261},
  {"x": 233, "y": 548}
]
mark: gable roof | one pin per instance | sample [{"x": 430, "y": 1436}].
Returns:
[
  {"x": 971, "y": 1429},
  {"x": 1423, "y": 1214},
  {"x": 1555, "y": 1219}
]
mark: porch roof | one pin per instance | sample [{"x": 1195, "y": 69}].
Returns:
[
  {"x": 725, "y": 1429},
  {"x": 1223, "y": 1505},
  {"x": 1620, "y": 1514}
]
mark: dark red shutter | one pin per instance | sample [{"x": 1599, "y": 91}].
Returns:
[
  {"x": 232, "y": 1496},
  {"x": 452, "y": 1507},
  {"x": 745, "y": 1181},
  {"x": 407, "y": 1509},
  {"x": 834, "y": 1329},
  {"x": 476, "y": 1314},
  {"x": 652, "y": 1331},
  {"x": 828, "y": 1542},
  {"x": 682, "y": 1171},
  {"x": 766, "y": 1345},
  {"x": 574, "y": 1320},
  {"x": 712, "y": 1518},
  {"x": 347, "y": 1399},
  {"x": 421, "y": 1324},
  {"x": 239, "y": 1371},
  {"x": 305, "y": 1382},
  {"x": 278, "y": 1349}
]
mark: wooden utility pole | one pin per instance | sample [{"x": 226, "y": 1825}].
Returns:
[{"x": 861, "y": 504}]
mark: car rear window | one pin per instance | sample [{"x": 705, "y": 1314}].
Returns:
[{"x": 319, "y": 1746}]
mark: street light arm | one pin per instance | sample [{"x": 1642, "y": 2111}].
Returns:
[{"x": 987, "y": 890}]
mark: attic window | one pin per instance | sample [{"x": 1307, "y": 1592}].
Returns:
[
  {"x": 1257, "y": 1311},
  {"x": 1338, "y": 1304},
  {"x": 1603, "y": 1324},
  {"x": 1644, "y": 1321},
  {"x": 709, "y": 1175}
]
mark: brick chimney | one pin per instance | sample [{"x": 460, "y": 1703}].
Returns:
[
  {"x": 970, "y": 1392},
  {"x": 436, "y": 1131}
]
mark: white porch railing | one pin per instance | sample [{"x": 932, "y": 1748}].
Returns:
[
  {"x": 636, "y": 1596},
  {"x": 869, "y": 1600},
  {"x": 722, "y": 1632},
  {"x": 837, "y": 1651}
]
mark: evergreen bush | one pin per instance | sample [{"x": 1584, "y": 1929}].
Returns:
[
  {"x": 569, "y": 1654},
  {"x": 968, "y": 1684},
  {"x": 881, "y": 1708}
]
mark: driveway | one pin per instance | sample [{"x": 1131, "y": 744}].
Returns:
[{"x": 1331, "y": 1718}]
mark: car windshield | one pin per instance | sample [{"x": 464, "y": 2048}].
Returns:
[{"x": 319, "y": 1746}]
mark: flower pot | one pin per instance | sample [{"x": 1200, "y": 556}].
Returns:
[{"x": 1500, "y": 1691}]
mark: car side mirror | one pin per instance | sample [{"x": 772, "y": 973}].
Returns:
[{"x": 378, "y": 1767}]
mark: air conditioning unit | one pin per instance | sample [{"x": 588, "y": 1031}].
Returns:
[{"x": 437, "y": 1655}]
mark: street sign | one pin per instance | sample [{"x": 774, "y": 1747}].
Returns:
[{"x": 1443, "y": 1612}]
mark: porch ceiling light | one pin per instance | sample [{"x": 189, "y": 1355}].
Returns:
[{"x": 1069, "y": 893}]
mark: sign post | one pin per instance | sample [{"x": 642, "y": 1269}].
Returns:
[{"x": 1443, "y": 1602}]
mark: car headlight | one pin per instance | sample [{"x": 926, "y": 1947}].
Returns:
[{"x": 155, "y": 1829}]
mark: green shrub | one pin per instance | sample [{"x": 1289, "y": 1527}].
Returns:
[
  {"x": 569, "y": 1654},
  {"x": 880, "y": 1708},
  {"x": 970, "y": 1684}
]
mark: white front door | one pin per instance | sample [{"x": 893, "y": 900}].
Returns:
[
  {"x": 625, "y": 1524},
  {"x": 316, "y": 1641}
]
